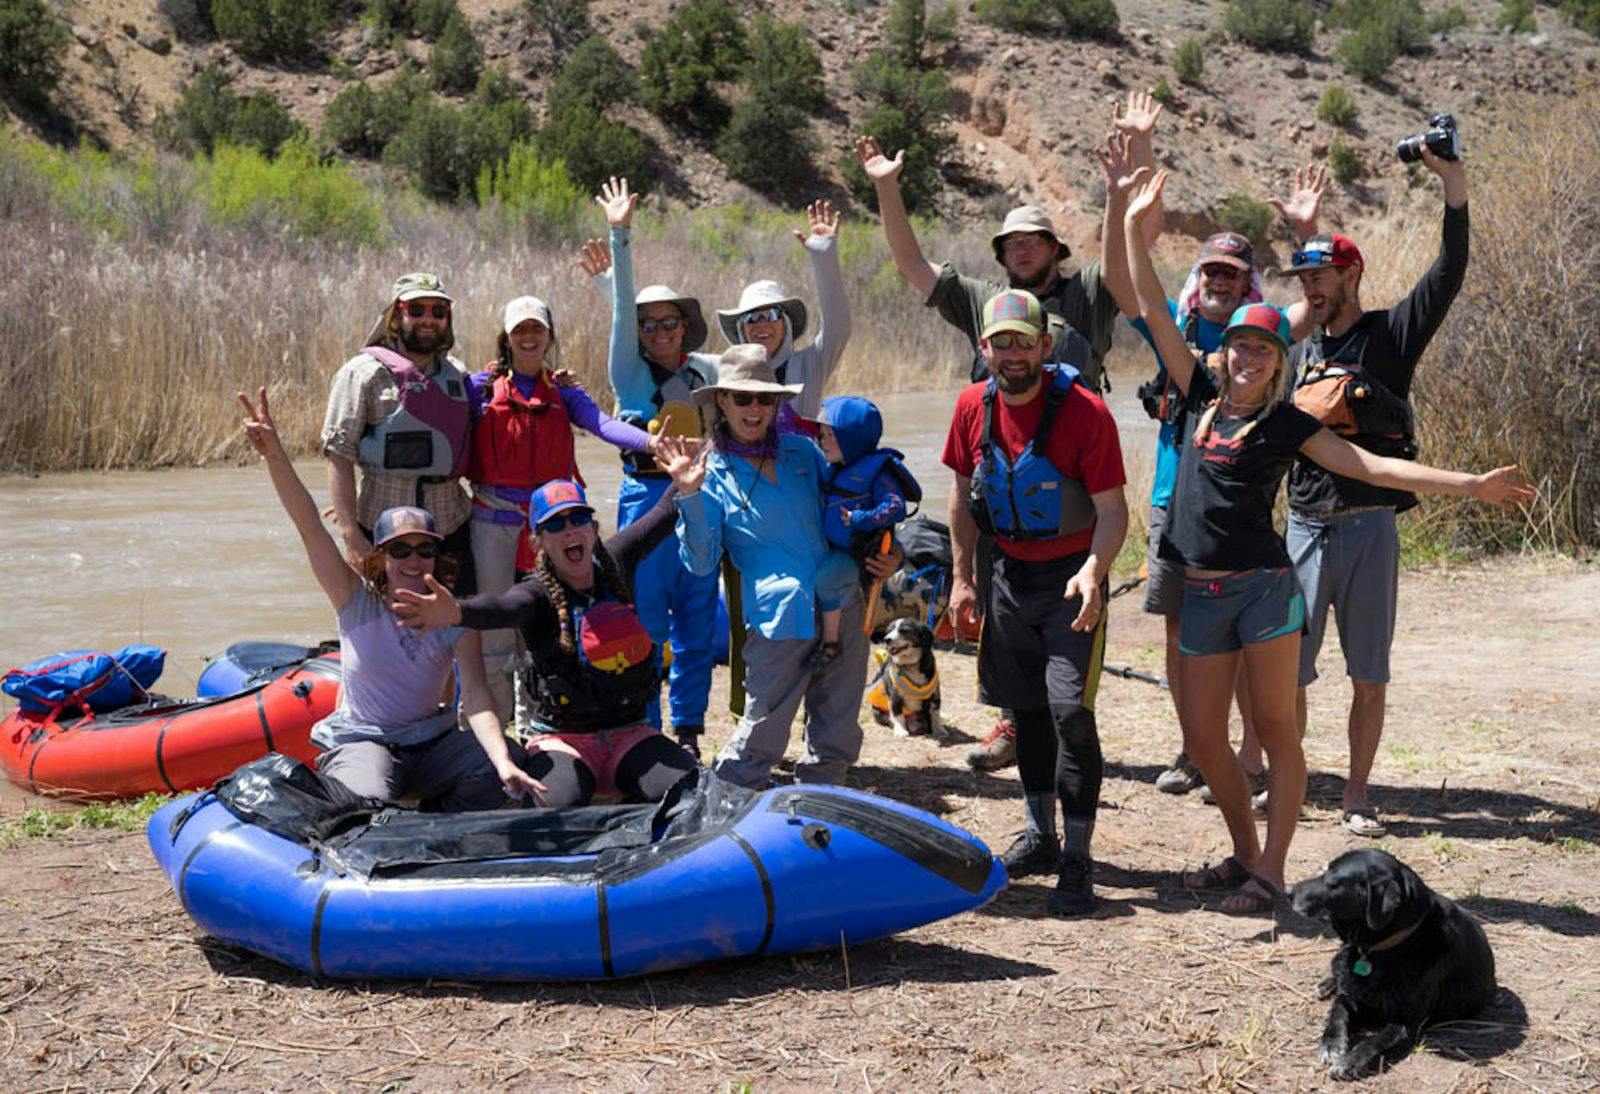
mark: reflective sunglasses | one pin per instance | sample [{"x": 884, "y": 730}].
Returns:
[
  {"x": 762, "y": 315},
  {"x": 1008, "y": 339},
  {"x": 417, "y": 311},
  {"x": 402, "y": 551},
  {"x": 670, "y": 323},
  {"x": 745, "y": 398},
  {"x": 575, "y": 518}
]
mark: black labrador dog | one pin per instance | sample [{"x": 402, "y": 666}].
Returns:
[{"x": 1409, "y": 957}]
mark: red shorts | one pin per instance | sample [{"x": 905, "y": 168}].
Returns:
[{"x": 600, "y": 752}]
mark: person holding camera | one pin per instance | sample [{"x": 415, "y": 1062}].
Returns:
[{"x": 1353, "y": 373}]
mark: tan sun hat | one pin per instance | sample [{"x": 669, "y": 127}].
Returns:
[
  {"x": 695, "y": 335},
  {"x": 745, "y": 368},
  {"x": 758, "y": 295},
  {"x": 1027, "y": 218}
]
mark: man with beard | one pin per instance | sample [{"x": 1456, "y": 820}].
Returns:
[
  {"x": 1354, "y": 374},
  {"x": 1038, "y": 467},
  {"x": 400, "y": 410}
]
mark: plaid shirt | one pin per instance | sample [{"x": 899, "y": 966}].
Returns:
[{"x": 364, "y": 393}]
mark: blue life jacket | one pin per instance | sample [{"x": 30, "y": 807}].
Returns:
[
  {"x": 851, "y": 485},
  {"x": 1028, "y": 498}
]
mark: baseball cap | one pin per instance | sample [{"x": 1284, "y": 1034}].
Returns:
[
  {"x": 403, "y": 520},
  {"x": 1228, "y": 247},
  {"x": 1016, "y": 310},
  {"x": 524, "y": 308},
  {"x": 555, "y": 496},
  {"x": 1330, "y": 249},
  {"x": 1264, "y": 318},
  {"x": 414, "y": 286}
]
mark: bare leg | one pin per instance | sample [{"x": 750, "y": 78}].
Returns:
[
  {"x": 1250, "y": 746},
  {"x": 1272, "y": 667},
  {"x": 1207, "y": 696},
  {"x": 1174, "y": 685},
  {"x": 1367, "y": 708}
]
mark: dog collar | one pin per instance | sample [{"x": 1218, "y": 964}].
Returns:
[{"x": 1362, "y": 967}]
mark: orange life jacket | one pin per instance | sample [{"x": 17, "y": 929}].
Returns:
[{"x": 523, "y": 441}]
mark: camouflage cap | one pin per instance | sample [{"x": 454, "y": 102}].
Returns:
[{"x": 414, "y": 286}]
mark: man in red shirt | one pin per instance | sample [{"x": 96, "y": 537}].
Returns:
[{"x": 1038, "y": 466}]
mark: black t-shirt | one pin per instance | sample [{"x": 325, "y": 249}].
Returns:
[
  {"x": 1221, "y": 512},
  {"x": 1387, "y": 345}
]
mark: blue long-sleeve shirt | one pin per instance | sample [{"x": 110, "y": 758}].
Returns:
[
  {"x": 630, "y": 373},
  {"x": 771, "y": 530}
]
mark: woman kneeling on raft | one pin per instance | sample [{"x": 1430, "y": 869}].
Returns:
[
  {"x": 389, "y": 737},
  {"x": 1240, "y": 591},
  {"x": 592, "y": 668}
]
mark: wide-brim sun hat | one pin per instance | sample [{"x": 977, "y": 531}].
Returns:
[
  {"x": 763, "y": 294},
  {"x": 694, "y": 336},
  {"x": 745, "y": 367},
  {"x": 1261, "y": 318},
  {"x": 1027, "y": 218}
]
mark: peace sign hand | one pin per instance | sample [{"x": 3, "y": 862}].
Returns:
[{"x": 258, "y": 426}]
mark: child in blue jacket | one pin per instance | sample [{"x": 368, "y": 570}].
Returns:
[{"x": 866, "y": 493}]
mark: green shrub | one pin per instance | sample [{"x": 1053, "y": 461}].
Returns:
[
  {"x": 1446, "y": 20},
  {"x": 443, "y": 150},
  {"x": 1336, "y": 107},
  {"x": 353, "y": 124},
  {"x": 1403, "y": 20},
  {"x": 595, "y": 77},
  {"x": 429, "y": 18},
  {"x": 408, "y": 89},
  {"x": 285, "y": 30},
  {"x": 1189, "y": 59},
  {"x": 1079, "y": 18},
  {"x": 296, "y": 191},
  {"x": 426, "y": 17},
  {"x": 781, "y": 69},
  {"x": 32, "y": 43},
  {"x": 768, "y": 146},
  {"x": 1243, "y": 214},
  {"x": 908, "y": 110},
  {"x": 456, "y": 58},
  {"x": 1517, "y": 16},
  {"x": 1344, "y": 163},
  {"x": 1367, "y": 52},
  {"x": 594, "y": 148},
  {"x": 915, "y": 32},
  {"x": 209, "y": 113},
  {"x": 702, "y": 43},
  {"x": 1277, "y": 26},
  {"x": 564, "y": 23},
  {"x": 1162, "y": 92},
  {"x": 1585, "y": 15},
  {"x": 533, "y": 193}
]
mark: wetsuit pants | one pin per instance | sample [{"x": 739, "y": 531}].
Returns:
[{"x": 674, "y": 605}]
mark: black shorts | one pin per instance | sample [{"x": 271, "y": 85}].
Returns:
[{"x": 1028, "y": 654}]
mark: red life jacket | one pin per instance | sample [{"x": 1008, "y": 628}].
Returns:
[{"x": 523, "y": 441}]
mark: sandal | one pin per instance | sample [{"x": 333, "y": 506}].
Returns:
[
  {"x": 1363, "y": 821},
  {"x": 1256, "y": 895},
  {"x": 1230, "y": 873}
]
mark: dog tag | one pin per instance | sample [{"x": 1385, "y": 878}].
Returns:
[{"x": 1362, "y": 967}]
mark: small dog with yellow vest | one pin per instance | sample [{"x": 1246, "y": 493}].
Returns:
[{"x": 906, "y": 693}]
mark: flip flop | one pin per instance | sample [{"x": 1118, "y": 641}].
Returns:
[
  {"x": 1363, "y": 821},
  {"x": 1230, "y": 873},
  {"x": 1255, "y": 896}
]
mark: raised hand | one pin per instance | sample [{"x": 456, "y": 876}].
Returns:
[
  {"x": 684, "y": 458},
  {"x": 1505, "y": 487},
  {"x": 1453, "y": 173},
  {"x": 617, "y": 201},
  {"x": 879, "y": 168},
  {"x": 1146, "y": 194},
  {"x": 595, "y": 258},
  {"x": 1116, "y": 160},
  {"x": 422, "y": 611},
  {"x": 258, "y": 425},
  {"x": 1138, "y": 117},
  {"x": 824, "y": 220},
  {"x": 1300, "y": 211}
]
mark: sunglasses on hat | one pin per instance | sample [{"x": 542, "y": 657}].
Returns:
[
  {"x": 402, "y": 551},
  {"x": 574, "y": 518},
  {"x": 417, "y": 311},
  {"x": 762, "y": 315},
  {"x": 1008, "y": 339},
  {"x": 669, "y": 323}
]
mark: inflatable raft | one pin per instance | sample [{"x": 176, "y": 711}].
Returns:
[
  {"x": 168, "y": 745},
  {"x": 287, "y": 864},
  {"x": 246, "y": 664}
]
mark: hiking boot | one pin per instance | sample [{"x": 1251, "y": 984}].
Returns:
[
  {"x": 1032, "y": 853},
  {"x": 1074, "y": 895},
  {"x": 997, "y": 750},
  {"x": 1180, "y": 777}
]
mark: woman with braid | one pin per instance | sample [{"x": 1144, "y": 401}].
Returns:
[
  {"x": 1240, "y": 597},
  {"x": 592, "y": 670}
]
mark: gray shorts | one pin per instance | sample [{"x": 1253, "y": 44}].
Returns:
[
  {"x": 1163, "y": 587},
  {"x": 1350, "y": 563},
  {"x": 1225, "y": 614}
]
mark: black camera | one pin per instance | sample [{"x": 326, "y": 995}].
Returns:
[{"x": 1442, "y": 138}]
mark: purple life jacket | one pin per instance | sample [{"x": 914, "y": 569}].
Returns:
[{"x": 428, "y": 434}]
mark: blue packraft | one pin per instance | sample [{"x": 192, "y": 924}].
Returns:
[{"x": 85, "y": 678}]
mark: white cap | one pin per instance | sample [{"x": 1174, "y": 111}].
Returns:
[{"x": 527, "y": 307}]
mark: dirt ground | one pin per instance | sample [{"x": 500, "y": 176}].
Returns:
[{"x": 1487, "y": 779}]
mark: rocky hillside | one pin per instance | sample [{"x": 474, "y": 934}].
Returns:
[{"x": 1028, "y": 109}]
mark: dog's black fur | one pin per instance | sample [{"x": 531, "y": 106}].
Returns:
[
  {"x": 1442, "y": 970},
  {"x": 909, "y": 645}
]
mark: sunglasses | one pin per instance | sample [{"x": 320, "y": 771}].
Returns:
[
  {"x": 670, "y": 323},
  {"x": 417, "y": 311},
  {"x": 761, "y": 315},
  {"x": 575, "y": 519},
  {"x": 745, "y": 398},
  {"x": 1220, "y": 270},
  {"x": 402, "y": 551},
  {"x": 1008, "y": 339}
]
